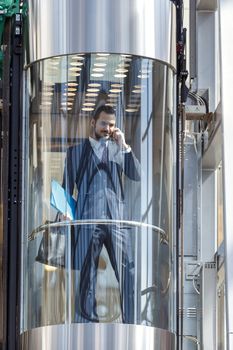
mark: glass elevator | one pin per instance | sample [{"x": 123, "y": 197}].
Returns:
[{"x": 82, "y": 55}]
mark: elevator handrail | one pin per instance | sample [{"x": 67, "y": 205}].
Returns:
[{"x": 33, "y": 234}]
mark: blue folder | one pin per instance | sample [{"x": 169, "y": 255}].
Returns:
[{"x": 62, "y": 201}]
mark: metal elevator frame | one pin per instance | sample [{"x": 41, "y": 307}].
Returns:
[{"x": 12, "y": 83}]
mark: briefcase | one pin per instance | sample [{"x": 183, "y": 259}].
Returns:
[{"x": 52, "y": 246}]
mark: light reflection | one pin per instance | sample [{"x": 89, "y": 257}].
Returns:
[
  {"x": 71, "y": 89},
  {"x": 47, "y": 103},
  {"x": 98, "y": 69},
  {"x": 131, "y": 110},
  {"x": 48, "y": 85},
  {"x": 72, "y": 84},
  {"x": 123, "y": 65},
  {"x": 66, "y": 108},
  {"x": 72, "y": 74},
  {"x": 100, "y": 64},
  {"x": 103, "y": 54},
  {"x": 70, "y": 98},
  {"x": 47, "y": 93},
  {"x": 92, "y": 89},
  {"x": 76, "y": 64},
  {"x": 90, "y": 99},
  {"x": 116, "y": 85},
  {"x": 67, "y": 103},
  {"x": 94, "y": 84},
  {"x": 54, "y": 63},
  {"x": 52, "y": 68},
  {"x": 126, "y": 59},
  {"x": 120, "y": 75},
  {"x": 69, "y": 94},
  {"x": 138, "y": 91},
  {"x": 50, "y": 268},
  {"x": 121, "y": 70},
  {"x": 89, "y": 104},
  {"x": 101, "y": 58},
  {"x": 75, "y": 69},
  {"x": 115, "y": 90},
  {"x": 88, "y": 109},
  {"x": 113, "y": 95},
  {"x": 77, "y": 57},
  {"x": 143, "y": 76},
  {"x": 93, "y": 94},
  {"x": 97, "y": 75}
]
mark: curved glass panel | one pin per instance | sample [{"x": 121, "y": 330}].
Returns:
[{"x": 98, "y": 206}]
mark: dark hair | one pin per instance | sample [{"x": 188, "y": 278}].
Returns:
[{"x": 104, "y": 108}]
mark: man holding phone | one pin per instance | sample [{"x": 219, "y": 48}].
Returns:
[{"x": 96, "y": 168}]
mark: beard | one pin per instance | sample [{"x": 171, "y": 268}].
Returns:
[{"x": 100, "y": 136}]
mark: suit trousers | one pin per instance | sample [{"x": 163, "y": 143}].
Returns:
[{"x": 117, "y": 243}]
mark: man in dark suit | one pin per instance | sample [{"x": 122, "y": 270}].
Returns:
[{"x": 95, "y": 168}]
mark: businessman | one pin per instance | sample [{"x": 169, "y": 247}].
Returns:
[{"x": 96, "y": 167}]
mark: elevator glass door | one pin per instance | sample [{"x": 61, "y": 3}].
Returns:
[{"x": 98, "y": 235}]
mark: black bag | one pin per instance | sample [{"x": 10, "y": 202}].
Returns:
[{"x": 52, "y": 246}]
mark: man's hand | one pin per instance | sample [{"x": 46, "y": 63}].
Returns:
[
  {"x": 63, "y": 217},
  {"x": 119, "y": 137}
]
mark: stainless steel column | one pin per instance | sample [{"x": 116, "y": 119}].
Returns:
[
  {"x": 98, "y": 336},
  {"x": 139, "y": 27}
]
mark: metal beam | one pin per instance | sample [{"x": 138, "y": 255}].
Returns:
[
  {"x": 207, "y": 56},
  {"x": 207, "y": 5}
]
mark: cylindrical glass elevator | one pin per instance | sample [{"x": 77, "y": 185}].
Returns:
[{"x": 97, "y": 243}]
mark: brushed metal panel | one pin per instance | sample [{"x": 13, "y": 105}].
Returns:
[
  {"x": 138, "y": 27},
  {"x": 226, "y": 59},
  {"x": 97, "y": 336}
]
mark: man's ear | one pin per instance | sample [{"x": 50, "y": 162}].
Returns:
[{"x": 92, "y": 122}]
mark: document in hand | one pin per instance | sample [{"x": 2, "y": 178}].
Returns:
[{"x": 62, "y": 201}]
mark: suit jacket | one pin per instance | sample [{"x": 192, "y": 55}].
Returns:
[
  {"x": 100, "y": 194},
  {"x": 100, "y": 187}
]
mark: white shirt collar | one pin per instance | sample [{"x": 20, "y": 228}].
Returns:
[
  {"x": 97, "y": 146},
  {"x": 114, "y": 151}
]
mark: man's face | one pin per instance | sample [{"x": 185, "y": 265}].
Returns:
[{"x": 104, "y": 126}]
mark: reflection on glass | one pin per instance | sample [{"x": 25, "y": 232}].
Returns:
[{"x": 110, "y": 261}]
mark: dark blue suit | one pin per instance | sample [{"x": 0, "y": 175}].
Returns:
[{"x": 101, "y": 196}]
